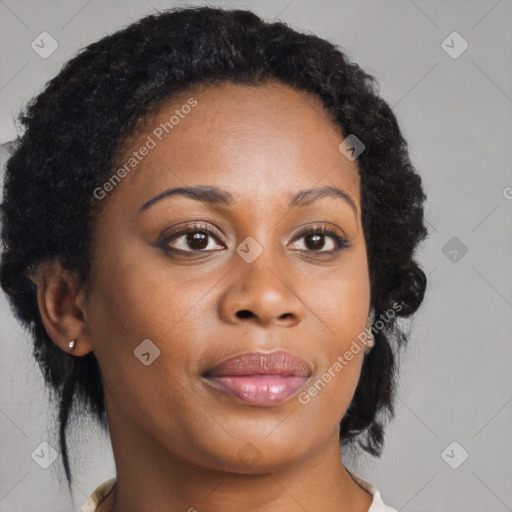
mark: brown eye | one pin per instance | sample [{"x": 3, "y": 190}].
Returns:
[
  {"x": 202, "y": 238},
  {"x": 195, "y": 238},
  {"x": 314, "y": 240}
]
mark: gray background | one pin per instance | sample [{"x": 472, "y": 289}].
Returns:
[{"x": 455, "y": 381}]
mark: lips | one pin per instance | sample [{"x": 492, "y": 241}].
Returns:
[{"x": 260, "y": 378}]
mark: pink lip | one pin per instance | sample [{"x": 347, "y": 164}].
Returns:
[{"x": 260, "y": 378}]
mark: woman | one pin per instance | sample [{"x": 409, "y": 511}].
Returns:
[{"x": 209, "y": 227}]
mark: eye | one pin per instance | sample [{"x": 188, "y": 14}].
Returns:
[
  {"x": 314, "y": 240},
  {"x": 195, "y": 237},
  {"x": 199, "y": 237}
]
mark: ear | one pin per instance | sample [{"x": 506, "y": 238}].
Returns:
[{"x": 61, "y": 304}]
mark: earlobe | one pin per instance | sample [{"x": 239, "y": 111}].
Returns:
[
  {"x": 60, "y": 302},
  {"x": 370, "y": 338}
]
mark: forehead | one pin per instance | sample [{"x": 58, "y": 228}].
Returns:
[{"x": 265, "y": 141}]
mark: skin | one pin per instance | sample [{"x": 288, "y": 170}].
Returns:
[{"x": 176, "y": 441}]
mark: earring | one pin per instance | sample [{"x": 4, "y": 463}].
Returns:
[
  {"x": 369, "y": 344},
  {"x": 72, "y": 346},
  {"x": 371, "y": 340}
]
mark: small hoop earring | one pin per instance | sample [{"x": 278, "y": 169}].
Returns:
[
  {"x": 72, "y": 345},
  {"x": 369, "y": 344},
  {"x": 371, "y": 339}
]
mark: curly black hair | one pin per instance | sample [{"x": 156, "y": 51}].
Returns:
[{"x": 74, "y": 129}]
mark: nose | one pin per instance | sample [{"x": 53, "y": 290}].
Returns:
[{"x": 263, "y": 293}]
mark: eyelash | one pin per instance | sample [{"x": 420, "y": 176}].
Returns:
[{"x": 340, "y": 242}]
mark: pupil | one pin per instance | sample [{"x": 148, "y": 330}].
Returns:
[
  {"x": 197, "y": 240},
  {"x": 315, "y": 244}
]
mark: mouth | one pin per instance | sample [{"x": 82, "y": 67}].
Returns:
[{"x": 259, "y": 378}]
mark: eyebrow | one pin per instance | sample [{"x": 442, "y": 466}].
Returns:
[{"x": 214, "y": 195}]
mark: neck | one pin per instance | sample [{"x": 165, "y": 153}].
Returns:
[{"x": 149, "y": 477}]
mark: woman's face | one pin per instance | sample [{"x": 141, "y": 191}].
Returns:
[{"x": 162, "y": 310}]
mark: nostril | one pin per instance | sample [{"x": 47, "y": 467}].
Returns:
[{"x": 245, "y": 313}]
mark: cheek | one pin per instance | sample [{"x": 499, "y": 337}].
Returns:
[
  {"x": 131, "y": 280},
  {"x": 339, "y": 304},
  {"x": 135, "y": 311},
  {"x": 340, "y": 312},
  {"x": 137, "y": 297},
  {"x": 340, "y": 300}
]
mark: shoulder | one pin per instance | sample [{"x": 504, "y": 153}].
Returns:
[
  {"x": 377, "y": 504},
  {"x": 99, "y": 497}
]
